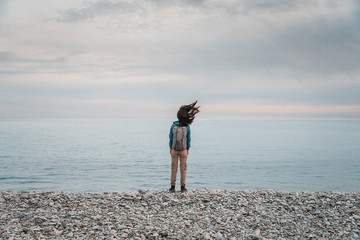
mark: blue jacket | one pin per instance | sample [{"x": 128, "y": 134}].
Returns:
[{"x": 188, "y": 135}]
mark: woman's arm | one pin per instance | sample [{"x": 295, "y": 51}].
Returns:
[{"x": 171, "y": 136}]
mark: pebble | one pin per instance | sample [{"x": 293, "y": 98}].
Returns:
[
  {"x": 197, "y": 214},
  {"x": 121, "y": 227}
]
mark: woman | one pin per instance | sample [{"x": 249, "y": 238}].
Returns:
[{"x": 179, "y": 142}]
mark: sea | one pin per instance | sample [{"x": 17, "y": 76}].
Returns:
[{"x": 125, "y": 155}]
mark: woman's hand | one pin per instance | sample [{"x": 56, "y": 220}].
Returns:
[
  {"x": 170, "y": 150},
  {"x": 187, "y": 151}
]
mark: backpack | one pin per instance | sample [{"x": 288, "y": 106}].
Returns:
[{"x": 179, "y": 142}]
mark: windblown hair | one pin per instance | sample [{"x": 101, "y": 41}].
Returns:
[{"x": 186, "y": 113}]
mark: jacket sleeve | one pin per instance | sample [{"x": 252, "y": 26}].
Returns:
[
  {"x": 171, "y": 136},
  {"x": 188, "y": 138}
]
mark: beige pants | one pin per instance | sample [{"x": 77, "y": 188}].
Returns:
[{"x": 175, "y": 155}]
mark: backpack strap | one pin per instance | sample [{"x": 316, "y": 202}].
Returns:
[
  {"x": 182, "y": 137},
  {"x": 177, "y": 129}
]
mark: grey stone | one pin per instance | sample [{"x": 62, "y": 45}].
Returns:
[{"x": 121, "y": 227}]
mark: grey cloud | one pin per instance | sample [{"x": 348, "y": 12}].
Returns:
[
  {"x": 321, "y": 45},
  {"x": 99, "y": 8},
  {"x": 279, "y": 5},
  {"x": 195, "y": 2},
  {"x": 14, "y": 72},
  {"x": 3, "y": 5},
  {"x": 106, "y": 7},
  {"x": 179, "y": 2},
  {"x": 6, "y": 56},
  {"x": 9, "y": 56},
  {"x": 15, "y": 63}
]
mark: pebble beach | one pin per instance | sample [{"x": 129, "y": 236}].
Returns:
[{"x": 196, "y": 214}]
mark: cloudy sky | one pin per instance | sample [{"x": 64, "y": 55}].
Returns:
[{"x": 144, "y": 58}]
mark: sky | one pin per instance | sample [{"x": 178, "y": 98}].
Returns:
[{"x": 145, "y": 58}]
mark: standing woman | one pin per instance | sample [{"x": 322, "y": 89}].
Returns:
[{"x": 179, "y": 143}]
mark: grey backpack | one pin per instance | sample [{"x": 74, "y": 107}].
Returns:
[{"x": 179, "y": 138}]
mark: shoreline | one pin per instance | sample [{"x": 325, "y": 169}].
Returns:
[{"x": 197, "y": 214}]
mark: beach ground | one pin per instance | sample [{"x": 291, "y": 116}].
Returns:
[{"x": 197, "y": 214}]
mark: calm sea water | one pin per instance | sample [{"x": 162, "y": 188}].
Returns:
[{"x": 127, "y": 155}]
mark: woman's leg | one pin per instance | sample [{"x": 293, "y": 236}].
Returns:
[
  {"x": 174, "y": 166},
  {"x": 183, "y": 166}
]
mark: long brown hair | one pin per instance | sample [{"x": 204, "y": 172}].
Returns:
[{"x": 186, "y": 113}]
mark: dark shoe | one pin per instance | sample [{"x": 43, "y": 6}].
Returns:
[
  {"x": 172, "y": 189},
  {"x": 183, "y": 189}
]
